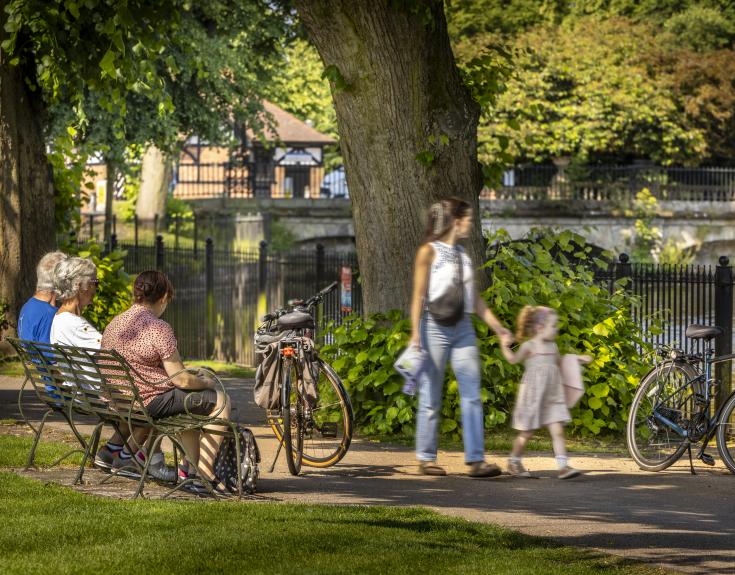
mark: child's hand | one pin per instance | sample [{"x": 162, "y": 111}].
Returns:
[{"x": 585, "y": 359}]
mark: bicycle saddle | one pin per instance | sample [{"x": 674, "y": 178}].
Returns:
[
  {"x": 703, "y": 331},
  {"x": 296, "y": 320}
]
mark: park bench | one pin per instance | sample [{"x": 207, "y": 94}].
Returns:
[{"x": 74, "y": 382}]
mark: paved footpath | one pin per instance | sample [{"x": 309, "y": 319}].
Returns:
[{"x": 682, "y": 522}]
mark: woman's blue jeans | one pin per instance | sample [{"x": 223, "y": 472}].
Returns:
[{"x": 457, "y": 343}]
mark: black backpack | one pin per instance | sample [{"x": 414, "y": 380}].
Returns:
[{"x": 225, "y": 466}]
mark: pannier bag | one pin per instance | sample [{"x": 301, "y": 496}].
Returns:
[
  {"x": 267, "y": 390},
  {"x": 225, "y": 466}
]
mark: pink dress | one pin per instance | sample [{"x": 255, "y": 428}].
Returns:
[{"x": 541, "y": 398}]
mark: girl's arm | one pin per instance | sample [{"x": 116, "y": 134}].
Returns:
[
  {"x": 424, "y": 258},
  {"x": 517, "y": 357},
  {"x": 489, "y": 318}
]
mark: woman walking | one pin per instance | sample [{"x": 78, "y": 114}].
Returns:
[{"x": 444, "y": 297}]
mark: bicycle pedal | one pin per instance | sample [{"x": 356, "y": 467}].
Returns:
[{"x": 707, "y": 459}]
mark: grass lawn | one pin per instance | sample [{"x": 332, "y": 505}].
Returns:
[
  {"x": 11, "y": 368},
  {"x": 51, "y": 529},
  {"x": 46, "y": 528}
]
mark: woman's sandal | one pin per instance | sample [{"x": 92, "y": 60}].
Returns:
[
  {"x": 431, "y": 468},
  {"x": 483, "y": 469}
]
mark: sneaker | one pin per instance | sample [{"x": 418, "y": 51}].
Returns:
[
  {"x": 162, "y": 472},
  {"x": 568, "y": 472},
  {"x": 126, "y": 467},
  {"x": 516, "y": 469},
  {"x": 483, "y": 469},
  {"x": 104, "y": 458},
  {"x": 431, "y": 468},
  {"x": 198, "y": 487}
]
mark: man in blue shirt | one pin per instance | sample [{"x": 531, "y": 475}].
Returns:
[{"x": 37, "y": 314}]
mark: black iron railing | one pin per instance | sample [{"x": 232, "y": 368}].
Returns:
[{"x": 615, "y": 183}]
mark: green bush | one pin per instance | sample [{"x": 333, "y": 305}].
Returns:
[{"x": 549, "y": 269}]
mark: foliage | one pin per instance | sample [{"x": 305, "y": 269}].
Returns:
[
  {"x": 591, "y": 90},
  {"x": 548, "y": 268},
  {"x": 362, "y": 352},
  {"x": 300, "y": 85},
  {"x": 644, "y": 240},
  {"x": 114, "y": 292},
  {"x": 4, "y": 323},
  {"x": 702, "y": 28}
]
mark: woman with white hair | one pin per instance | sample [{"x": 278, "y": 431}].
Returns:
[
  {"x": 75, "y": 283},
  {"x": 37, "y": 314}
]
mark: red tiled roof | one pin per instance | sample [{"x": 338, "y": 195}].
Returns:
[{"x": 291, "y": 130}]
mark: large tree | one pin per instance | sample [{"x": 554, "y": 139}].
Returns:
[
  {"x": 407, "y": 125},
  {"x": 136, "y": 71}
]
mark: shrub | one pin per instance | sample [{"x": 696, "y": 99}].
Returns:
[{"x": 553, "y": 269}]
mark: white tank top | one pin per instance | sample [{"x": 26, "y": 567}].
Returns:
[{"x": 444, "y": 269}]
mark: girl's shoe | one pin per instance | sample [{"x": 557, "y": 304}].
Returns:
[
  {"x": 198, "y": 487},
  {"x": 516, "y": 469},
  {"x": 483, "y": 469},
  {"x": 431, "y": 468},
  {"x": 568, "y": 472}
]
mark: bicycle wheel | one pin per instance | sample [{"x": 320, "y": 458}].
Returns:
[
  {"x": 667, "y": 391},
  {"x": 328, "y": 420},
  {"x": 292, "y": 418},
  {"x": 726, "y": 433}
]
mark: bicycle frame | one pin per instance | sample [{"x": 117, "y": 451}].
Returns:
[{"x": 709, "y": 360}]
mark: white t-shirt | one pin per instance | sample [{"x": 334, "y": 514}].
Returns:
[
  {"x": 444, "y": 269},
  {"x": 70, "y": 329}
]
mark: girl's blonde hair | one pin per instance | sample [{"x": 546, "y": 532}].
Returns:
[{"x": 530, "y": 319}]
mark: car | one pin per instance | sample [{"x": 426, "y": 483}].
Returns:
[{"x": 334, "y": 184}]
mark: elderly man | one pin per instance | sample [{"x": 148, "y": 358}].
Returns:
[{"x": 37, "y": 314}]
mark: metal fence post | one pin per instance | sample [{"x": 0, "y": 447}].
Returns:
[
  {"x": 723, "y": 319},
  {"x": 319, "y": 266},
  {"x": 176, "y": 230},
  {"x": 135, "y": 225},
  {"x": 262, "y": 280},
  {"x": 209, "y": 272},
  {"x": 113, "y": 242},
  {"x": 160, "y": 253},
  {"x": 91, "y": 226},
  {"x": 196, "y": 246},
  {"x": 623, "y": 269},
  {"x": 155, "y": 225}
]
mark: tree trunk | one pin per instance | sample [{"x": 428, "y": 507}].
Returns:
[
  {"x": 402, "y": 99},
  {"x": 27, "y": 228},
  {"x": 155, "y": 179}
]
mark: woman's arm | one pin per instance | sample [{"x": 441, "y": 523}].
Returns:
[
  {"x": 424, "y": 258},
  {"x": 184, "y": 380}
]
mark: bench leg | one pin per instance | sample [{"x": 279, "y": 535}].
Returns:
[
  {"x": 151, "y": 448},
  {"x": 37, "y": 432},
  {"x": 88, "y": 451}
]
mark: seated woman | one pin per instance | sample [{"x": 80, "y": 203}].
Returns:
[
  {"x": 149, "y": 345},
  {"x": 75, "y": 284}
]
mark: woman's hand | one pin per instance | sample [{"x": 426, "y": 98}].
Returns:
[
  {"x": 584, "y": 359},
  {"x": 415, "y": 340}
]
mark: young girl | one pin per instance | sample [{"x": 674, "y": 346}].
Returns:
[{"x": 540, "y": 401}]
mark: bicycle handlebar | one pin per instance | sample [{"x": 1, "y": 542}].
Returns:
[{"x": 308, "y": 304}]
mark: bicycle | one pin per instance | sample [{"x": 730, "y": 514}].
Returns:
[
  {"x": 671, "y": 409},
  {"x": 315, "y": 409}
]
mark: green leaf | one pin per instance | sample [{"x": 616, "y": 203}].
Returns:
[{"x": 107, "y": 64}]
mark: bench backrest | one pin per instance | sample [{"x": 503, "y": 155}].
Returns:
[{"x": 95, "y": 381}]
